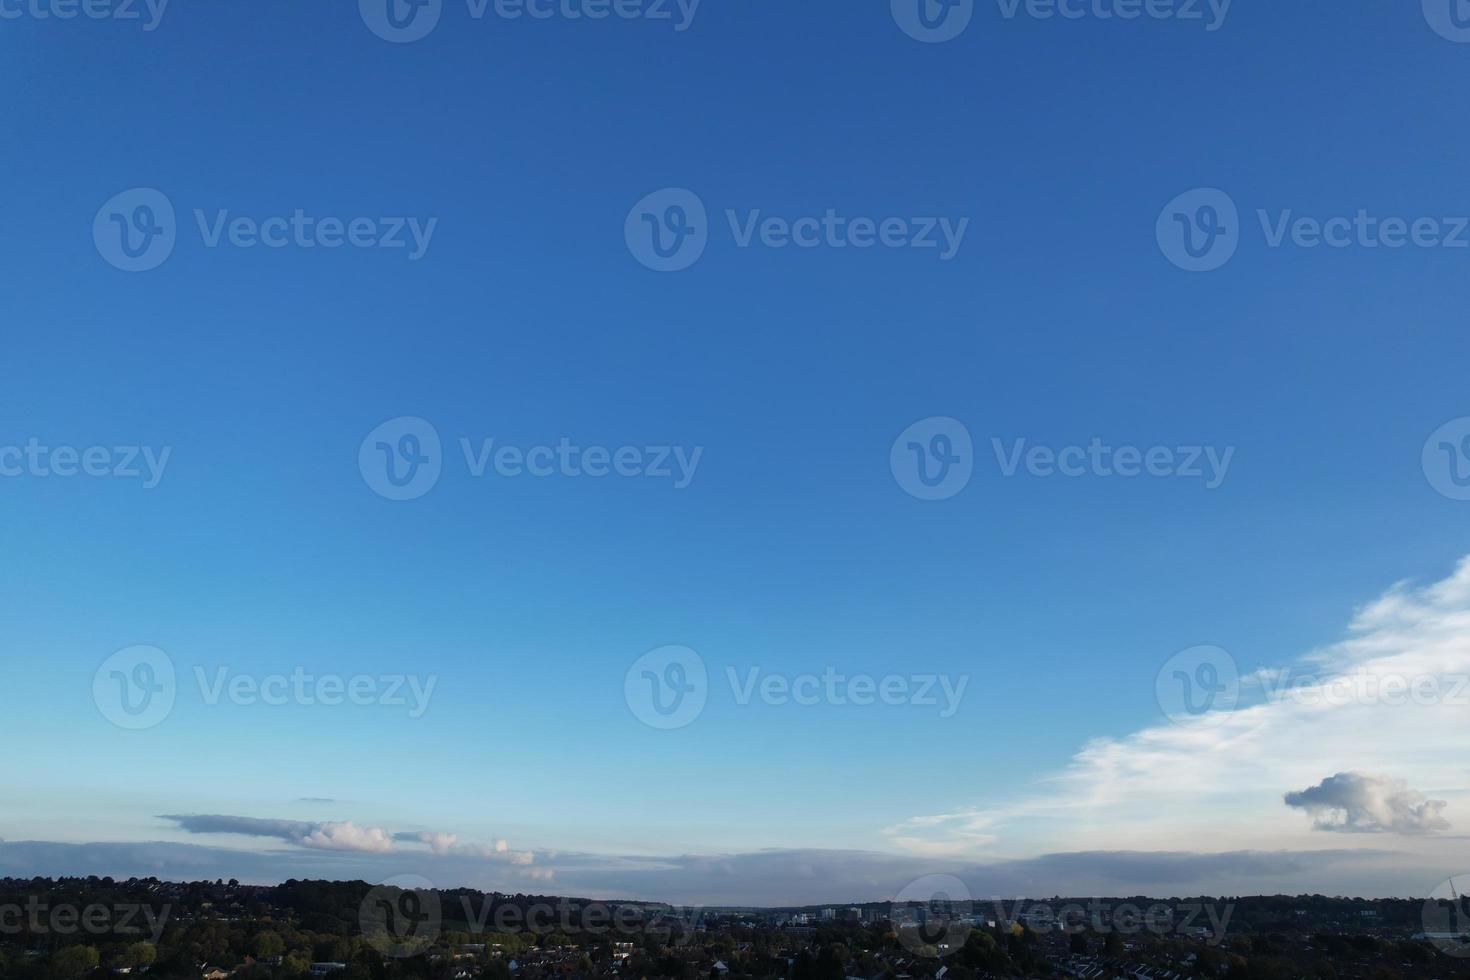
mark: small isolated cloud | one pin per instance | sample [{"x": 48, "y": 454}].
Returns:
[
  {"x": 1360, "y": 803},
  {"x": 330, "y": 835}
]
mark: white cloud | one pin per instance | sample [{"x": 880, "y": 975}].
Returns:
[
  {"x": 1360, "y": 803},
  {"x": 438, "y": 843},
  {"x": 325, "y": 835},
  {"x": 1390, "y": 697},
  {"x": 345, "y": 835}
]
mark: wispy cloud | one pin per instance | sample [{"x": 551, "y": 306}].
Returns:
[
  {"x": 344, "y": 835},
  {"x": 440, "y": 843},
  {"x": 332, "y": 835},
  {"x": 1167, "y": 786}
]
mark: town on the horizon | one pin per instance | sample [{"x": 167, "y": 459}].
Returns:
[{"x": 69, "y": 928}]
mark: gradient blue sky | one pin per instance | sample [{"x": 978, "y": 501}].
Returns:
[{"x": 794, "y": 548}]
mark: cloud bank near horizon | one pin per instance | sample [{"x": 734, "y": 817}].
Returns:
[{"x": 774, "y": 877}]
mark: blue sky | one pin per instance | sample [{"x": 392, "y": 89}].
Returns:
[{"x": 794, "y": 548}]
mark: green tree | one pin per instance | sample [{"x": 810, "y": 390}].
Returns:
[
  {"x": 138, "y": 955},
  {"x": 74, "y": 962},
  {"x": 269, "y": 943}
]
